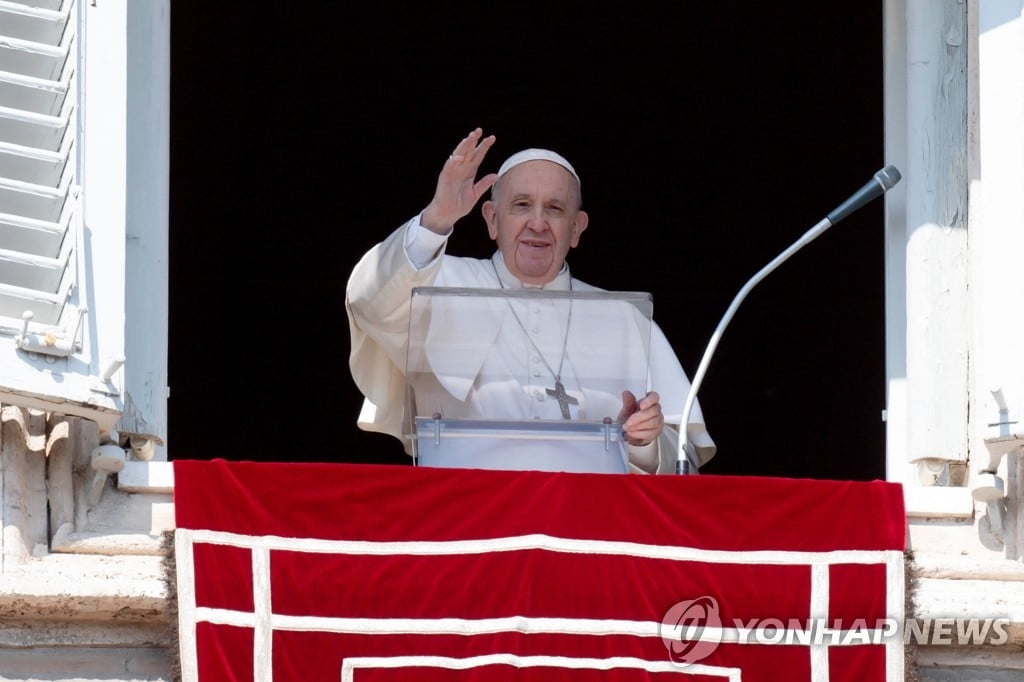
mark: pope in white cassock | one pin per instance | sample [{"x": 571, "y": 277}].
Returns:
[{"x": 535, "y": 217}]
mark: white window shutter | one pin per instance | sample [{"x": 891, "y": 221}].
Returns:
[
  {"x": 38, "y": 200},
  {"x": 54, "y": 353},
  {"x": 83, "y": 251}
]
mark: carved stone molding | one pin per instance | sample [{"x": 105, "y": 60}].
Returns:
[{"x": 22, "y": 484}]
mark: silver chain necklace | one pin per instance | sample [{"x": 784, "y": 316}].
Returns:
[{"x": 558, "y": 392}]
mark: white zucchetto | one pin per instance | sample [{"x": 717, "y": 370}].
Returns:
[{"x": 536, "y": 155}]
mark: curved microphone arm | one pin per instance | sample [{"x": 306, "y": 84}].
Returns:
[{"x": 883, "y": 180}]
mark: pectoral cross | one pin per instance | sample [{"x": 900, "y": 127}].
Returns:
[{"x": 563, "y": 398}]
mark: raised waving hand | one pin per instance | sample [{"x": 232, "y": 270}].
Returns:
[{"x": 458, "y": 190}]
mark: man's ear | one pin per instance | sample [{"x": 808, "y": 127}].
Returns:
[
  {"x": 580, "y": 224},
  {"x": 489, "y": 211}
]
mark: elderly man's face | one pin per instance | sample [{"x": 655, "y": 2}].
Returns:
[{"x": 535, "y": 218}]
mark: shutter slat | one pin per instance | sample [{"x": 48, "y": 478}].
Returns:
[
  {"x": 38, "y": 237},
  {"x": 28, "y": 58},
  {"x": 31, "y": 272},
  {"x": 26, "y": 294},
  {"x": 45, "y": 5},
  {"x": 38, "y": 24},
  {"x": 38, "y": 95},
  {"x": 29, "y": 129},
  {"x": 36, "y": 166},
  {"x": 39, "y": 202}
]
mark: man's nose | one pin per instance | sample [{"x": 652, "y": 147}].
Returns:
[{"x": 538, "y": 219}]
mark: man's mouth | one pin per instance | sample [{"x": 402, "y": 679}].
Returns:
[{"x": 534, "y": 243}]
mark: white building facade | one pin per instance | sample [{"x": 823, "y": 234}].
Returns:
[
  {"x": 954, "y": 105},
  {"x": 84, "y": 481},
  {"x": 84, "y": 136}
]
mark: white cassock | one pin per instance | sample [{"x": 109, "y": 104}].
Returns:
[{"x": 503, "y": 362}]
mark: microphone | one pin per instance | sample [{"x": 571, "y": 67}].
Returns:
[{"x": 881, "y": 182}]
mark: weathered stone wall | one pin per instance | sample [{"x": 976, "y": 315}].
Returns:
[{"x": 98, "y": 608}]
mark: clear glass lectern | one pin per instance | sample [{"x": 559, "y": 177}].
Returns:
[{"x": 524, "y": 379}]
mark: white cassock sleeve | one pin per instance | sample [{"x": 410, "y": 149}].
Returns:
[{"x": 377, "y": 300}]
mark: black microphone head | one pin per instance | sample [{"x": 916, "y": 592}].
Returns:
[{"x": 888, "y": 177}]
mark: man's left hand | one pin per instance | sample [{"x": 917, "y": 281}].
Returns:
[{"x": 643, "y": 420}]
